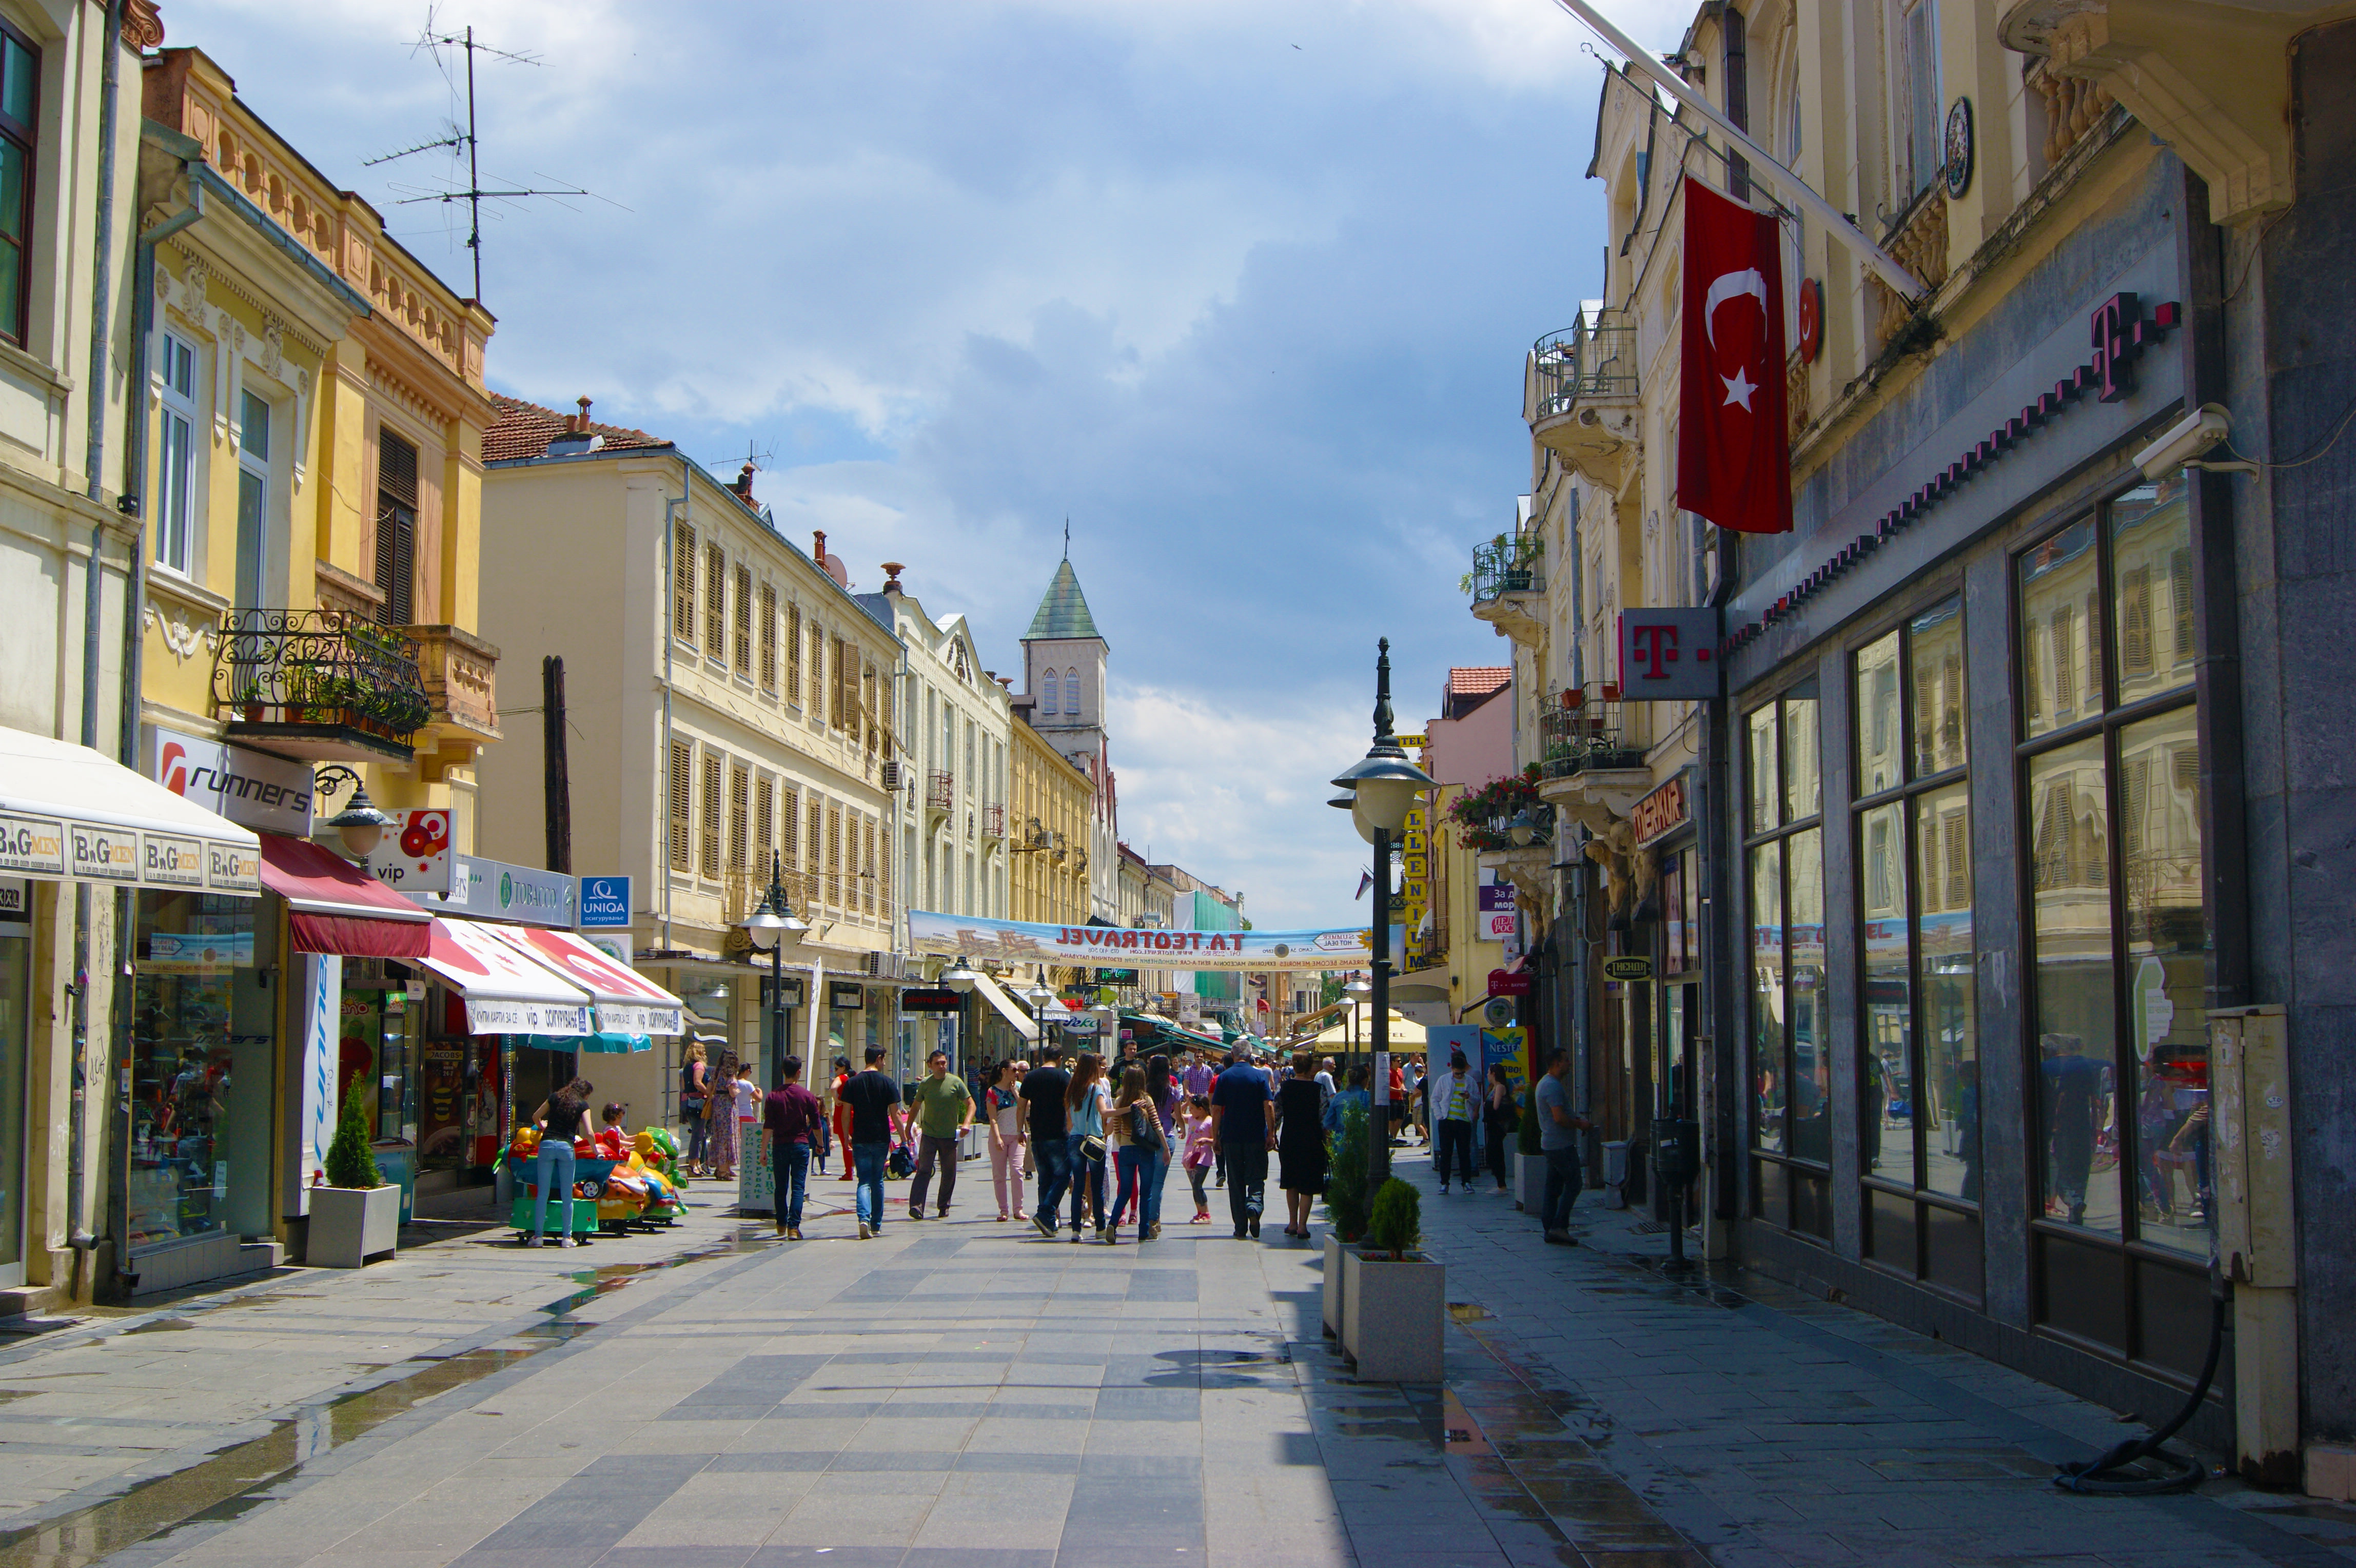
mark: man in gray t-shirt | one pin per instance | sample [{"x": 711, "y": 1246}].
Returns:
[{"x": 1558, "y": 1130}]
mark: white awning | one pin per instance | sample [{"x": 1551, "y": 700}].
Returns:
[
  {"x": 1005, "y": 1004},
  {"x": 505, "y": 992},
  {"x": 627, "y": 1004},
  {"x": 68, "y": 813}
]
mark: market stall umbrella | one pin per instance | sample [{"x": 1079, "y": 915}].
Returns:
[{"x": 1406, "y": 1034}]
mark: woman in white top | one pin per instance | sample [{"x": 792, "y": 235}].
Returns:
[{"x": 1006, "y": 1140}]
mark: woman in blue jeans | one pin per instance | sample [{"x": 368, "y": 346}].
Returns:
[
  {"x": 1086, "y": 1101},
  {"x": 1139, "y": 1158},
  {"x": 561, "y": 1117}
]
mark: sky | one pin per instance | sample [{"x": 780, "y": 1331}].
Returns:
[{"x": 1241, "y": 289}]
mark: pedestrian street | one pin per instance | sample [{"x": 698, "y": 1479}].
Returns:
[{"x": 966, "y": 1391}]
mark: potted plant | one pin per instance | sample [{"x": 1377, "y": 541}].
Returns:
[
  {"x": 248, "y": 698},
  {"x": 357, "y": 1215},
  {"x": 1395, "y": 1303},
  {"x": 1529, "y": 1163},
  {"x": 1345, "y": 1205}
]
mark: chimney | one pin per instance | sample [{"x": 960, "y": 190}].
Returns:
[
  {"x": 817, "y": 545},
  {"x": 744, "y": 484},
  {"x": 585, "y": 412},
  {"x": 892, "y": 570},
  {"x": 572, "y": 423}
]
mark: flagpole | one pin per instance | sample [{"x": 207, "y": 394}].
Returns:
[{"x": 1836, "y": 222}]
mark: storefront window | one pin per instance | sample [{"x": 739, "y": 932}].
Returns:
[
  {"x": 1918, "y": 1062},
  {"x": 15, "y": 1045},
  {"x": 2120, "y": 936},
  {"x": 194, "y": 1001},
  {"x": 1790, "y": 1067}
]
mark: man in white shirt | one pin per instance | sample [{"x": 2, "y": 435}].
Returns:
[
  {"x": 1325, "y": 1082},
  {"x": 1455, "y": 1099},
  {"x": 1411, "y": 1080}
]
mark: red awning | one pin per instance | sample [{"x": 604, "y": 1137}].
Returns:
[{"x": 334, "y": 907}]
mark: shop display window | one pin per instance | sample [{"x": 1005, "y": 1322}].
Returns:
[
  {"x": 1790, "y": 1066},
  {"x": 1918, "y": 1049},
  {"x": 2119, "y": 936},
  {"x": 16, "y": 1048},
  {"x": 196, "y": 1001}
]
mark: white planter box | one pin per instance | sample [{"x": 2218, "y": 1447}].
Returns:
[
  {"x": 350, "y": 1225},
  {"x": 1529, "y": 1183},
  {"x": 1394, "y": 1316},
  {"x": 1334, "y": 1250}
]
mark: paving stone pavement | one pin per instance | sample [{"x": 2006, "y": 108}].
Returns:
[{"x": 964, "y": 1392}]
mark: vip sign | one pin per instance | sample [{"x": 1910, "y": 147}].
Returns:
[
  {"x": 1668, "y": 655},
  {"x": 417, "y": 859}
]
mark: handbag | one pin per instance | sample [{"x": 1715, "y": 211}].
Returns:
[
  {"x": 1092, "y": 1147},
  {"x": 1145, "y": 1127}
]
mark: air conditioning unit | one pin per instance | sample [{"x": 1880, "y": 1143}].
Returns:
[{"x": 892, "y": 775}]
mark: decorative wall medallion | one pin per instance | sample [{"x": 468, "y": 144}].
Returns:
[{"x": 1959, "y": 146}]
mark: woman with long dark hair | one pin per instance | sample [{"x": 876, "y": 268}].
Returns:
[
  {"x": 561, "y": 1117},
  {"x": 1085, "y": 1103},
  {"x": 1300, "y": 1142}
]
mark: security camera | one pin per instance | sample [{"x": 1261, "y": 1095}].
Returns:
[{"x": 2182, "y": 443}]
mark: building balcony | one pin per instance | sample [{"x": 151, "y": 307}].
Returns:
[
  {"x": 993, "y": 822},
  {"x": 1508, "y": 587},
  {"x": 1578, "y": 396},
  {"x": 941, "y": 792},
  {"x": 1591, "y": 769},
  {"x": 457, "y": 670},
  {"x": 320, "y": 684}
]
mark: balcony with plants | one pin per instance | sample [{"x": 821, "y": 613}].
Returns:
[
  {"x": 1508, "y": 584},
  {"x": 1579, "y": 396},
  {"x": 1592, "y": 762},
  {"x": 325, "y": 685},
  {"x": 1510, "y": 829}
]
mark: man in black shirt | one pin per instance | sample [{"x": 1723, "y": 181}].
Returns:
[
  {"x": 1047, "y": 1119},
  {"x": 1245, "y": 1133},
  {"x": 874, "y": 1101}
]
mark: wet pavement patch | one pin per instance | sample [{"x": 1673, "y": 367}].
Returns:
[{"x": 161, "y": 1325}]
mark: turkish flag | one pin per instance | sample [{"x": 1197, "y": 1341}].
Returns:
[{"x": 1734, "y": 443}]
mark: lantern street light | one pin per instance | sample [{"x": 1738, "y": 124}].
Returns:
[
  {"x": 361, "y": 825},
  {"x": 767, "y": 928},
  {"x": 1383, "y": 787}
]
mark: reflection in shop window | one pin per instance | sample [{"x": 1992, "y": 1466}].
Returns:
[{"x": 194, "y": 1001}]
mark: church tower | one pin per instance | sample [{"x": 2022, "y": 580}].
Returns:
[{"x": 1064, "y": 681}]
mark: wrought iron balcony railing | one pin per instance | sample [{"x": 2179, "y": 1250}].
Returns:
[
  {"x": 1507, "y": 564},
  {"x": 993, "y": 822},
  {"x": 320, "y": 675},
  {"x": 1595, "y": 359},
  {"x": 1582, "y": 728},
  {"x": 940, "y": 791}
]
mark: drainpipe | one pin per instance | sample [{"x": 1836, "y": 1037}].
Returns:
[
  {"x": 78, "y": 1234},
  {"x": 670, "y": 634},
  {"x": 1720, "y": 850}
]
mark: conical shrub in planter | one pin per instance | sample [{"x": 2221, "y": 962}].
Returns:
[
  {"x": 356, "y": 1216},
  {"x": 1394, "y": 1299},
  {"x": 1345, "y": 1204}
]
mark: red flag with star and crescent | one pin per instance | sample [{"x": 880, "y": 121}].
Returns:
[{"x": 1734, "y": 446}]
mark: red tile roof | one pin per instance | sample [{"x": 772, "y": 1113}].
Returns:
[
  {"x": 1478, "y": 680},
  {"x": 524, "y": 430}
]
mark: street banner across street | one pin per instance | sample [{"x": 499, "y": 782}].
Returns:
[{"x": 967, "y": 936}]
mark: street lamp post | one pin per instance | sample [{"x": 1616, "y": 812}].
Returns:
[
  {"x": 1383, "y": 787},
  {"x": 767, "y": 927}
]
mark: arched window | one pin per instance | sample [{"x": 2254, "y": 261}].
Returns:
[
  {"x": 1047, "y": 695},
  {"x": 1072, "y": 693}
]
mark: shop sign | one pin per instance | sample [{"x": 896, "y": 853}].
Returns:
[
  {"x": 1668, "y": 655},
  {"x": 848, "y": 995},
  {"x": 1081, "y": 1025},
  {"x": 1517, "y": 983},
  {"x": 496, "y": 890},
  {"x": 793, "y": 991},
  {"x": 1662, "y": 813},
  {"x": 1116, "y": 977},
  {"x": 1627, "y": 969},
  {"x": 932, "y": 999},
  {"x": 604, "y": 903},
  {"x": 1497, "y": 926},
  {"x": 1495, "y": 897},
  {"x": 417, "y": 859},
  {"x": 16, "y": 901},
  {"x": 104, "y": 855},
  {"x": 269, "y": 794}
]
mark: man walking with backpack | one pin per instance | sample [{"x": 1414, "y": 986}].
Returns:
[{"x": 873, "y": 1101}]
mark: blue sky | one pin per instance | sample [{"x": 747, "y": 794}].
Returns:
[{"x": 1243, "y": 289}]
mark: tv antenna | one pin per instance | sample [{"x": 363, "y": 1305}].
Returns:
[{"x": 465, "y": 139}]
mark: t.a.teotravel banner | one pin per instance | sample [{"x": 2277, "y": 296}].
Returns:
[{"x": 1016, "y": 941}]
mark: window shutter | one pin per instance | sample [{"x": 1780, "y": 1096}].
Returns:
[
  {"x": 682, "y": 583},
  {"x": 810, "y": 852},
  {"x": 884, "y": 871},
  {"x": 744, "y": 619},
  {"x": 834, "y": 857},
  {"x": 740, "y": 789},
  {"x": 682, "y": 764},
  {"x": 2065, "y": 666},
  {"x": 764, "y": 824},
  {"x": 396, "y": 527},
  {"x": 2180, "y": 594},
  {"x": 816, "y": 677},
  {"x": 868, "y": 709},
  {"x": 768, "y": 637},
  {"x": 715, "y": 600},
  {"x": 709, "y": 846},
  {"x": 2135, "y": 621},
  {"x": 2184, "y": 771},
  {"x": 1959, "y": 866},
  {"x": 867, "y": 866},
  {"x": 793, "y": 654}
]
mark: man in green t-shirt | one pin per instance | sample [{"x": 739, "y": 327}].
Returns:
[{"x": 944, "y": 1109}]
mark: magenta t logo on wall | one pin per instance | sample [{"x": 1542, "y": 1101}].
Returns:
[{"x": 1668, "y": 655}]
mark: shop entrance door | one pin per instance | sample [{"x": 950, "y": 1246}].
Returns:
[{"x": 16, "y": 1059}]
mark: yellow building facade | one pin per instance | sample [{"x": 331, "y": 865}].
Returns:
[{"x": 1052, "y": 807}]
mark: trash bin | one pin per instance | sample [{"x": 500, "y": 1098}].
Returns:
[{"x": 1615, "y": 1174}]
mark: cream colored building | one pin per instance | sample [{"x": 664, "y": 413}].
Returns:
[
  {"x": 730, "y": 705},
  {"x": 953, "y": 742}
]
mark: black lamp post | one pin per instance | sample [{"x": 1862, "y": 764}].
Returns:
[
  {"x": 1383, "y": 787},
  {"x": 767, "y": 927}
]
